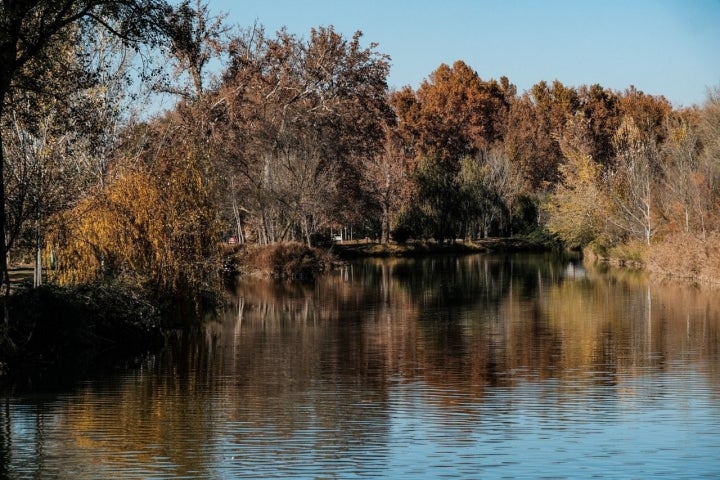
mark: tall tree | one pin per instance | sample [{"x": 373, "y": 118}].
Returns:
[
  {"x": 578, "y": 207},
  {"x": 195, "y": 37},
  {"x": 301, "y": 115},
  {"x": 632, "y": 183},
  {"x": 27, "y": 31},
  {"x": 385, "y": 179},
  {"x": 455, "y": 113},
  {"x": 600, "y": 108},
  {"x": 681, "y": 179},
  {"x": 536, "y": 123}
]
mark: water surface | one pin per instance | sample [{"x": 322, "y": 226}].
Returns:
[{"x": 519, "y": 366}]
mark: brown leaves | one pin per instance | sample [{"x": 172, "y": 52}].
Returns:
[{"x": 454, "y": 113}]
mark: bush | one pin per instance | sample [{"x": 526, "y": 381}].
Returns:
[
  {"x": 281, "y": 260},
  {"x": 687, "y": 256},
  {"x": 524, "y": 215}
]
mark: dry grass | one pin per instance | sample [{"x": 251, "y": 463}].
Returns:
[
  {"x": 280, "y": 260},
  {"x": 687, "y": 256}
]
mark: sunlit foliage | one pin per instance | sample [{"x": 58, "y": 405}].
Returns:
[{"x": 155, "y": 224}]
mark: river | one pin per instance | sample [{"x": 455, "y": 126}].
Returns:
[{"x": 475, "y": 366}]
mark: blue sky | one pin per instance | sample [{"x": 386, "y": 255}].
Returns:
[{"x": 663, "y": 47}]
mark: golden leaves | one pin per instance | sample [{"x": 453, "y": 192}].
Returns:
[{"x": 158, "y": 230}]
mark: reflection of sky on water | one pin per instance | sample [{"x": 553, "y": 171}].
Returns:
[{"x": 540, "y": 429}]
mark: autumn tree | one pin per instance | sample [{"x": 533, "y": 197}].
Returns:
[
  {"x": 30, "y": 28},
  {"x": 535, "y": 123},
  {"x": 600, "y": 108},
  {"x": 648, "y": 113},
  {"x": 681, "y": 180},
  {"x": 385, "y": 180},
  {"x": 709, "y": 167},
  {"x": 578, "y": 207},
  {"x": 632, "y": 183},
  {"x": 155, "y": 224},
  {"x": 454, "y": 113},
  {"x": 451, "y": 125},
  {"x": 195, "y": 37},
  {"x": 301, "y": 117}
]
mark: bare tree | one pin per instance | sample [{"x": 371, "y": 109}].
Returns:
[
  {"x": 385, "y": 179},
  {"x": 632, "y": 182}
]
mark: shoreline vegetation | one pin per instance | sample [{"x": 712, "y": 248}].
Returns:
[
  {"x": 296, "y": 260},
  {"x": 59, "y": 330}
]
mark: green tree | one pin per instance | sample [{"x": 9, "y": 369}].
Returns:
[{"x": 439, "y": 206}]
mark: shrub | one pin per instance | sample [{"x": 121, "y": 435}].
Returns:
[
  {"x": 687, "y": 256},
  {"x": 282, "y": 260},
  {"x": 54, "y": 323}
]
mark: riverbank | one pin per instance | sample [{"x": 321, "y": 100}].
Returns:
[
  {"x": 349, "y": 250},
  {"x": 683, "y": 257},
  {"x": 53, "y": 330},
  {"x": 297, "y": 260}
]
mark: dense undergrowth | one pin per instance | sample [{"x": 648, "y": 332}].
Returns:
[
  {"x": 681, "y": 256},
  {"x": 77, "y": 327}
]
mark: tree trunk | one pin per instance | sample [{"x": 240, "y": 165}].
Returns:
[
  {"x": 385, "y": 225},
  {"x": 3, "y": 216},
  {"x": 5, "y": 340},
  {"x": 38, "y": 278}
]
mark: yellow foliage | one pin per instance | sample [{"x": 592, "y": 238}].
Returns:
[
  {"x": 577, "y": 208},
  {"x": 158, "y": 230}
]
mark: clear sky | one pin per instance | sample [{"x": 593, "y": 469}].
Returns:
[{"x": 663, "y": 47}]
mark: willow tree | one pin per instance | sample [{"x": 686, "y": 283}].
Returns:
[{"x": 155, "y": 224}]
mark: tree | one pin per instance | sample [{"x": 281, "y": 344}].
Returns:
[
  {"x": 648, "y": 113},
  {"x": 195, "y": 38},
  {"x": 708, "y": 172},
  {"x": 535, "y": 123},
  {"x": 439, "y": 208},
  {"x": 155, "y": 224},
  {"x": 454, "y": 113},
  {"x": 600, "y": 108},
  {"x": 301, "y": 117},
  {"x": 29, "y": 32},
  {"x": 385, "y": 179},
  {"x": 632, "y": 182},
  {"x": 578, "y": 207},
  {"x": 680, "y": 173},
  {"x": 487, "y": 192}
]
